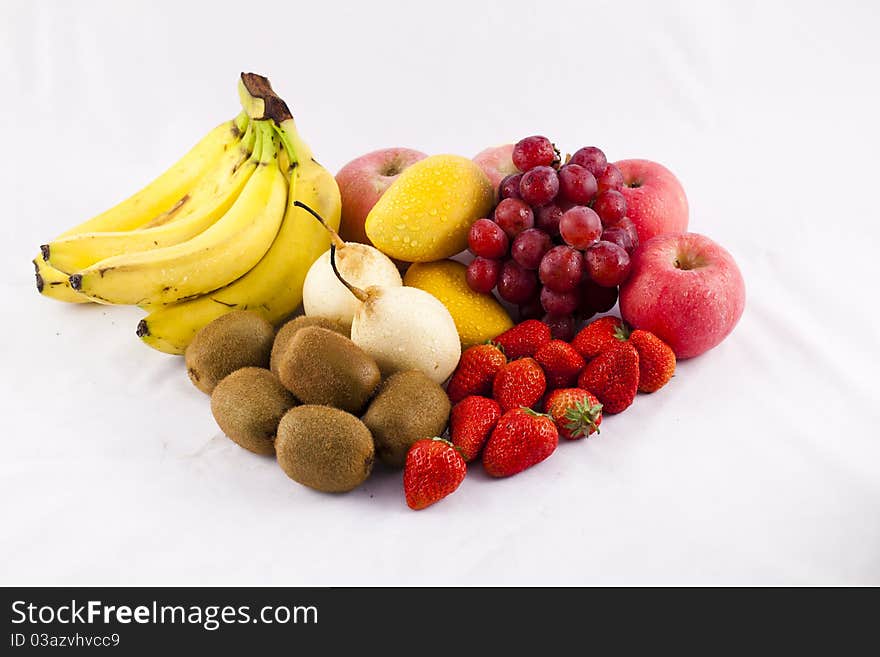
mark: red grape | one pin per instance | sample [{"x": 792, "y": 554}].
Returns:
[
  {"x": 561, "y": 326},
  {"x": 596, "y": 299},
  {"x": 514, "y": 216},
  {"x": 611, "y": 178},
  {"x": 534, "y": 152},
  {"x": 547, "y": 218},
  {"x": 487, "y": 239},
  {"x": 627, "y": 224},
  {"x": 509, "y": 187},
  {"x": 580, "y": 227},
  {"x": 559, "y": 303},
  {"x": 590, "y": 158},
  {"x": 561, "y": 268},
  {"x": 531, "y": 309},
  {"x": 530, "y": 246},
  {"x": 576, "y": 184},
  {"x": 607, "y": 263},
  {"x": 619, "y": 236},
  {"x": 539, "y": 186},
  {"x": 482, "y": 274},
  {"x": 517, "y": 284},
  {"x": 610, "y": 205}
]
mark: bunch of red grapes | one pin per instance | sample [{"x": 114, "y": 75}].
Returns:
[{"x": 559, "y": 242}]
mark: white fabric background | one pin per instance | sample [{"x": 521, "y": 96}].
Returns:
[{"x": 759, "y": 463}]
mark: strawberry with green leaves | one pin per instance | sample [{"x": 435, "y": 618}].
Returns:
[
  {"x": 470, "y": 423},
  {"x": 613, "y": 376},
  {"x": 433, "y": 470},
  {"x": 524, "y": 339},
  {"x": 475, "y": 372},
  {"x": 560, "y": 362},
  {"x": 656, "y": 358},
  {"x": 522, "y": 438},
  {"x": 519, "y": 383},
  {"x": 576, "y": 412}
]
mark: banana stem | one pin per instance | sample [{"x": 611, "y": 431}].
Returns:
[
  {"x": 289, "y": 148},
  {"x": 269, "y": 149},
  {"x": 257, "y": 149},
  {"x": 249, "y": 139},
  {"x": 241, "y": 122},
  {"x": 259, "y": 100}
]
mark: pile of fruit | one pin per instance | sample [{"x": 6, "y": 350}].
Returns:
[
  {"x": 312, "y": 398},
  {"x": 401, "y": 352}
]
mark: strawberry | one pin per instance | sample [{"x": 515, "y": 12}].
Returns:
[
  {"x": 520, "y": 383},
  {"x": 576, "y": 412},
  {"x": 433, "y": 470},
  {"x": 560, "y": 362},
  {"x": 613, "y": 376},
  {"x": 524, "y": 339},
  {"x": 599, "y": 334},
  {"x": 470, "y": 424},
  {"x": 656, "y": 360},
  {"x": 521, "y": 439},
  {"x": 475, "y": 372}
]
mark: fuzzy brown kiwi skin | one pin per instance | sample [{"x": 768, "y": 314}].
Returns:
[
  {"x": 286, "y": 333},
  {"x": 324, "y": 448},
  {"x": 408, "y": 407},
  {"x": 237, "y": 339},
  {"x": 248, "y": 405},
  {"x": 324, "y": 368}
]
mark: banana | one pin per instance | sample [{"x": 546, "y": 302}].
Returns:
[
  {"x": 209, "y": 200},
  {"x": 54, "y": 284},
  {"x": 273, "y": 288},
  {"x": 219, "y": 255},
  {"x": 165, "y": 194}
]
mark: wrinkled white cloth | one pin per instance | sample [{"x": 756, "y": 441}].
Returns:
[{"x": 758, "y": 464}]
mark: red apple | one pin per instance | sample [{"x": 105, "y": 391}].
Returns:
[
  {"x": 685, "y": 289},
  {"x": 655, "y": 199},
  {"x": 363, "y": 180},
  {"x": 497, "y": 163}
]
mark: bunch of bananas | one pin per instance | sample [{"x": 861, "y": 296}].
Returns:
[{"x": 223, "y": 229}]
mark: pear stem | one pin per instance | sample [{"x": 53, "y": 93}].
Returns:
[
  {"x": 336, "y": 242},
  {"x": 334, "y": 236}
]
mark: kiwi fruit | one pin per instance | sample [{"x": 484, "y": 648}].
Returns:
[
  {"x": 408, "y": 407},
  {"x": 286, "y": 332},
  {"x": 248, "y": 405},
  {"x": 324, "y": 448},
  {"x": 322, "y": 367},
  {"x": 237, "y": 339}
]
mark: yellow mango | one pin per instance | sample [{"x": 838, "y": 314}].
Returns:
[
  {"x": 478, "y": 317},
  {"x": 427, "y": 212}
]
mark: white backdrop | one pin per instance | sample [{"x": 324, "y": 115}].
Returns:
[{"x": 760, "y": 461}]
